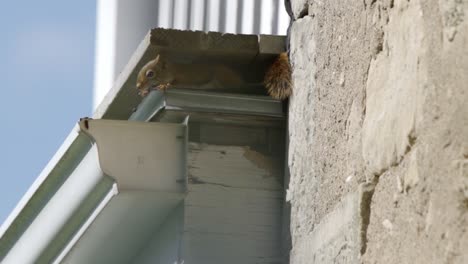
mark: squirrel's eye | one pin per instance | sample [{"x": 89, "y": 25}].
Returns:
[{"x": 149, "y": 74}]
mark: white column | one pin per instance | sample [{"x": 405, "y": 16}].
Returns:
[{"x": 106, "y": 26}]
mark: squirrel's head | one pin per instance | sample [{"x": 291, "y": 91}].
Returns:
[{"x": 148, "y": 77}]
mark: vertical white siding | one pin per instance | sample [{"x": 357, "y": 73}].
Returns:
[
  {"x": 282, "y": 19},
  {"x": 247, "y": 19},
  {"x": 197, "y": 14},
  {"x": 231, "y": 16},
  {"x": 122, "y": 24},
  {"x": 164, "y": 12},
  {"x": 213, "y": 15},
  {"x": 266, "y": 19},
  {"x": 181, "y": 14}
]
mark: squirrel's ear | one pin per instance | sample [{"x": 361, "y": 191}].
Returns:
[{"x": 152, "y": 63}]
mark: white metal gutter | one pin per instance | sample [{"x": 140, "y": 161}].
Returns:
[
  {"x": 56, "y": 201},
  {"x": 86, "y": 225},
  {"x": 40, "y": 179},
  {"x": 75, "y": 147},
  {"x": 57, "y": 211},
  {"x": 63, "y": 186}
]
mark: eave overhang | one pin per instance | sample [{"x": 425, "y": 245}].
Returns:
[{"x": 77, "y": 200}]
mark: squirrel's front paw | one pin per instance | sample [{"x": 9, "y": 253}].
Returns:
[{"x": 163, "y": 86}]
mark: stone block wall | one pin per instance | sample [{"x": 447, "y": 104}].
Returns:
[{"x": 378, "y": 131}]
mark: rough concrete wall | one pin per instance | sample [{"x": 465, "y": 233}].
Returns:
[{"x": 378, "y": 131}]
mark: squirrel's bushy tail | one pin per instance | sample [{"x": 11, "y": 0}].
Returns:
[{"x": 278, "y": 81}]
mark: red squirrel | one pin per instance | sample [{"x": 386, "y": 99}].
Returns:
[{"x": 162, "y": 74}]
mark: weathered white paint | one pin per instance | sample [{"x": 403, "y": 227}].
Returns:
[
  {"x": 232, "y": 212},
  {"x": 233, "y": 207}
]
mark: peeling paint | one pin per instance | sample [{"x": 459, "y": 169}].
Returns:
[{"x": 259, "y": 160}]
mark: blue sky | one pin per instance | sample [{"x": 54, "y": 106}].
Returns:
[{"x": 46, "y": 77}]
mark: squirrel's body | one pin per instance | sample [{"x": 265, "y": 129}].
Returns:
[{"x": 161, "y": 74}]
